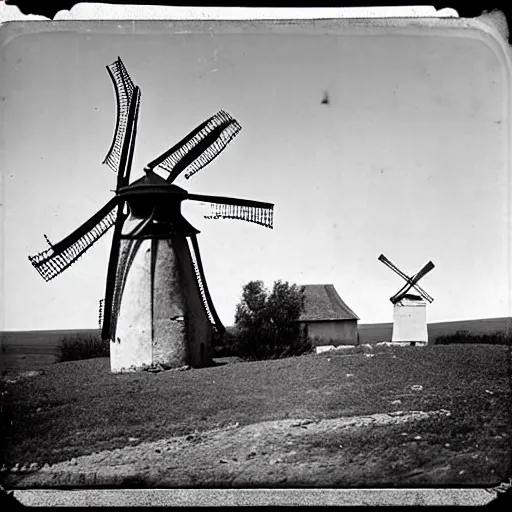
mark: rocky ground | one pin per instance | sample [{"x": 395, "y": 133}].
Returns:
[
  {"x": 304, "y": 422},
  {"x": 277, "y": 453}
]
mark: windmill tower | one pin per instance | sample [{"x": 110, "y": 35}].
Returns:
[
  {"x": 409, "y": 309},
  {"x": 157, "y": 307}
]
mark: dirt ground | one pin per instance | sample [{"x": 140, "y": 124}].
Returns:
[{"x": 276, "y": 453}]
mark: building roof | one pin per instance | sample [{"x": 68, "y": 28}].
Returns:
[{"x": 324, "y": 304}]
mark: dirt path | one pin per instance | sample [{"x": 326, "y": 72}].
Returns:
[{"x": 268, "y": 453}]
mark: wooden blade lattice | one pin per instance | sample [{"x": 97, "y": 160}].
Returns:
[
  {"x": 100, "y": 312},
  {"x": 199, "y": 147},
  {"x": 53, "y": 261},
  {"x": 209, "y": 308},
  {"x": 124, "y": 88},
  {"x": 264, "y": 216}
]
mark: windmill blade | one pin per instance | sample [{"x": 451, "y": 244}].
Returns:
[
  {"x": 53, "y": 261},
  {"x": 201, "y": 283},
  {"x": 112, "y": 272},
  {"x": 199, "y": 147},
  {"x": 404, "y": 276},
  {"x": 128, "y": 101},
  {"x": 400, "y": 294},
  {"x": 234, "y": 208},
  {"x": 124, "y": 178},
  {"x": 100, "y": 312}
]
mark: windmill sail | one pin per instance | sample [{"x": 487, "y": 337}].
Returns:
[
  {"x": 100, "y": 312},
  {"x": 132, "y": 132},
  {"x": 119, "y": 158},
  {"x": 411, "y": 282},
  {"x": 125, "y": 91},
  {"x": 234, "y": 208},
  {"x": 404, "y": 276},
  {"x": 199, "y": 147},
  {"x": 53, "y": 261},
  {"x": 202, "y": 286}
]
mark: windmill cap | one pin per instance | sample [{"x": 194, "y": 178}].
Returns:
[{"x": 152, "y": 183}]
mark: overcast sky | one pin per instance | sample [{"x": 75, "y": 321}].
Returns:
[{"x": 409, "y": 158}]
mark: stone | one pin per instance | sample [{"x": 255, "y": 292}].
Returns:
[{"x": 324, "y": 348}]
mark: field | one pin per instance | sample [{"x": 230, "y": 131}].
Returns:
[
  {"x": 397, "y": 417},
  {"x": 373, "y": 333},
  {"x": 33, "y": 349}
]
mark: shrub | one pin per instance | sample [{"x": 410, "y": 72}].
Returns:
[
  {"x": 223, "y": 344},
  {"x": 82, "y": 346},
  {"x": 266, "y": 322},
  {"x": 495, "y": 338}
]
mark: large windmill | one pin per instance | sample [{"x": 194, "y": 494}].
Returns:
[
  {"x": 157, "y": 307},
  {"x": 409, "y": 309}
]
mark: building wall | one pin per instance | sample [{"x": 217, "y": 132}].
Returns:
[
  {"x": 410, "y": 322},
  {"x": 170, "y": 347},
  {"x": 342, "y": 332},
  {"x": 131, "y": 347},
  {"x": 199, "y": 329}
]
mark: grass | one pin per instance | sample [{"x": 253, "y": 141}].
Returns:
[
  {"x": 76, "y": 408},
  {"x": 465, "y": 337}
]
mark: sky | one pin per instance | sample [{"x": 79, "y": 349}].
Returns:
[{"x": 410, "y": 158}]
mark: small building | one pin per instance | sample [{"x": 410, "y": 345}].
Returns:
[
  {"x": 328, "y": 321},
  {"x": 410, "y": 320}
]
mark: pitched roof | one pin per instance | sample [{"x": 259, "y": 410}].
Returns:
[{"x": 323, "y": 303}]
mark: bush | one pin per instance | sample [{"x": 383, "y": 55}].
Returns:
[
  {"x": 82, "y": 346},
  {"x": 266, "y": 322},
  {"x": 223, "y": 344},
  {"x": 495, "y": 338}
]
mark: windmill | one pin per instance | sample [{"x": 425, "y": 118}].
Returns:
[
  {"x": 409, "y": 313},
  {"x": 157, "y": 308}
]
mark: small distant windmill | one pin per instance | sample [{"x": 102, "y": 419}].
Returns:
[
  {"x": 157, "y": 308},
  {"x": 409, "y": 314}
]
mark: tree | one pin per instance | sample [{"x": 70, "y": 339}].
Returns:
[{"x": 266, "y": 322}]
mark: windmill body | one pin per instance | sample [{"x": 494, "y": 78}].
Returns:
[
  {"x": 409, "y": 309},
  {"x": 159, "y": 316},
  {"x": 157, "y": 308},
  {"x": 410, "y": 320}
]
